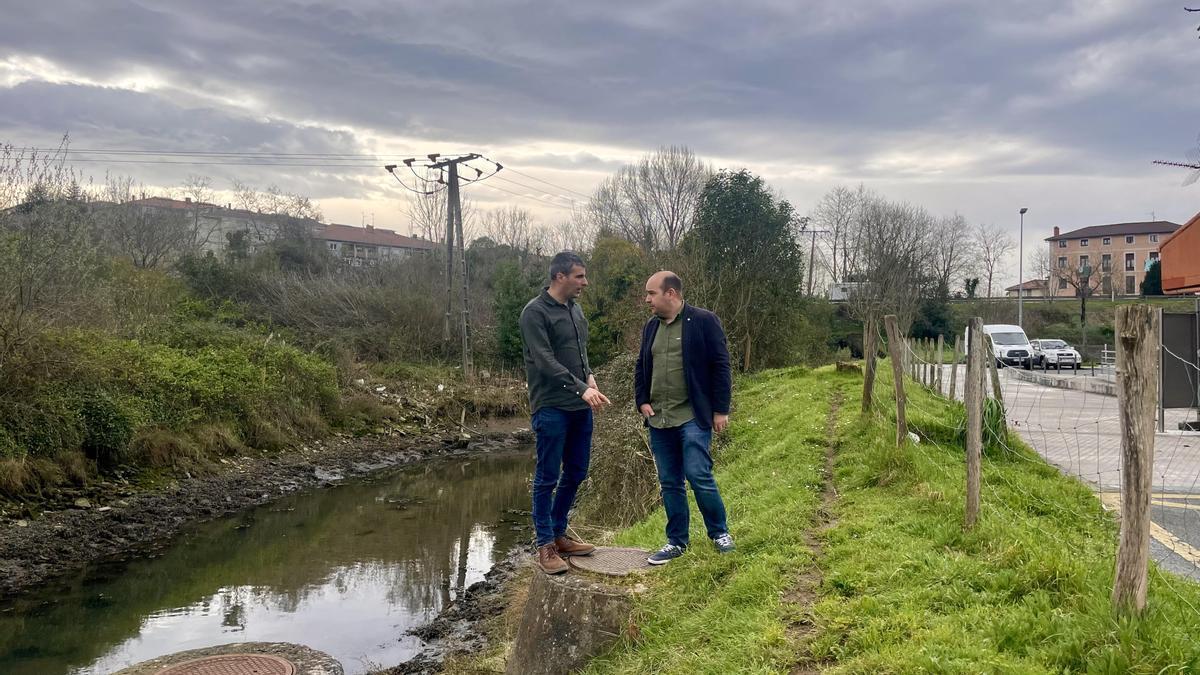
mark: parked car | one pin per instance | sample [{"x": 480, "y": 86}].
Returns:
[
  {"x": 1055, "y": 354},
  {"x": 1010, "y": 345}
]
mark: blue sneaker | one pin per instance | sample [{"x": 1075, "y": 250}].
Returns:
[
  {"x": 724, "y": 543},
  {"x": 666, "y": 554}
]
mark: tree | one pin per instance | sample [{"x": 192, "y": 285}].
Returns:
[
  {"x": 427, "y": 213},
  {"x": 971, "y": 285},
  {"x": 1085, "y": 279},
  {"x": 747, "y": 266},
  {"x": 513, "y": 226},
  {"x": 837, "y": 214},
  {"x": 1152, "y": 283},
  {"x": 953, "y": 250},
  {"x": 993, "y": 244},
  {"x": 1041, "y": 263},
  {"x": 199, "y": 189},
  {"x": 652, "y": 202},
  {"x": 147, "y": 236},
  {"x": 892, "y": 247}
]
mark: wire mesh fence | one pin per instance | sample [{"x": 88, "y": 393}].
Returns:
[{"x": 1031, "y": 423}]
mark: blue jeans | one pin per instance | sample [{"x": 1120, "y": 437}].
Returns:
[
  {"x": 564, "y": 449},
  {"x": 682, "y": 452}
]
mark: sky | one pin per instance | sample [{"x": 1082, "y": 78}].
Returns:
[{"x": 960, "y": 107}]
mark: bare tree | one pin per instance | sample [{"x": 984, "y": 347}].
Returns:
[
  {"x": 892, "y": 243},
  {"x": 993, "y": 244},
  {"x": 1084, "y": 279},
  {"x": 651, "y": 202},
  {"x": 1041, "y": 264},
  {"x": 147, "y": 236},
  {"x": 427, "y": 215},
  {"x": 952, "y": 251},
  {"x": 47, "y": 254},
  {"x": 837, "y": 214}
]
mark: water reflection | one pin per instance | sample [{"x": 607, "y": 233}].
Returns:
[{"x": 344, "y": 570}]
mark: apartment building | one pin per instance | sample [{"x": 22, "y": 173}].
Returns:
[{"x": 1113, "y": 257}]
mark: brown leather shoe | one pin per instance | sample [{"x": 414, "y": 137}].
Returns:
[
  {"x": 548, "y": 560},
  {"x": 567, "y": 546}
]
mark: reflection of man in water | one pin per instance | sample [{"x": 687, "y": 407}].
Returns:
[
  {"x": 562, "y": 396},
  {"x": 683, "y": 387}
]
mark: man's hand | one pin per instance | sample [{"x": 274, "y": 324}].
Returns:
[
  {"x": 647, "y": 411},
  {"x": 720, "y": 422},
  {"x": 594, "y": 398}
]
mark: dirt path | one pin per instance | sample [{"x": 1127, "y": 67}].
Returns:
[
  {"x": 804, "y": 594},
  {"x": 116, "y": 521}
]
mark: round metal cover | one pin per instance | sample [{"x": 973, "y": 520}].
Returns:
[
  {"x": 233, "y": 664},
  {"x": 614, "y": 562}
]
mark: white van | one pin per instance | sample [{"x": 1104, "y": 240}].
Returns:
[{"x": 1010, "y": 346}]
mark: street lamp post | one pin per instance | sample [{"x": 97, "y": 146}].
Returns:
[{"x": 1021, "y": 271}]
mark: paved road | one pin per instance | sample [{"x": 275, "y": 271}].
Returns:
[{"x": 1079, "y": 432}]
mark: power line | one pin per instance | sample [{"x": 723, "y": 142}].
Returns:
[
  {"x": 530, "y": 187},
  {"x": 540, "y": 180},
  {"x": 518, "y": 194},
  {"x": 223, "y": 163}
]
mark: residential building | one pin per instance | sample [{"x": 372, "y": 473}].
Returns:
[
  {"x": 214, "y": 224},
  {"x": 1181, "y": 259},
  {"x": 1034, "y": 288},
  {"x": 1119, "y": 253},
  {"x": 366, "y": 246}
]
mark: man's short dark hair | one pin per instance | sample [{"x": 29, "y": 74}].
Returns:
[
  {"x": 672, "y": 281},
  {"x": 562, "y": 263}
]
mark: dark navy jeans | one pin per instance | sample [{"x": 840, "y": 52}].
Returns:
[
  {"x": 682, "y": 452},
  {"x": 564, "y": 449}
]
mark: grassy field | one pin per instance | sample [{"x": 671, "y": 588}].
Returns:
[{"x": 899, "y": 586}]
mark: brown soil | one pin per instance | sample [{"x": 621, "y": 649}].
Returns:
[{"x": 804, "y": 594}]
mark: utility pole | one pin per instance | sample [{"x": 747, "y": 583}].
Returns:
[
  {"x": 812, "y": 256},
  {"x": 454, "y": 231}
]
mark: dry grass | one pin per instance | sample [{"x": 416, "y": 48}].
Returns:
[{"x": 622, "y": 485}]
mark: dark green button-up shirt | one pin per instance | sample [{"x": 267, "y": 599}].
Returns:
[
  {"x": 668, "y": 388},
  {"x": 555, "y": 339}
]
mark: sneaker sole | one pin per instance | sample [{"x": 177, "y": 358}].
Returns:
[{"x": 658, "y": 562}]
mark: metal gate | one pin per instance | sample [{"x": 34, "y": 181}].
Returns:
[{"x": 1180, "y": 366}]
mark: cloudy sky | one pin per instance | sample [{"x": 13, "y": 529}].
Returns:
[{"x": 976, "y": 108}]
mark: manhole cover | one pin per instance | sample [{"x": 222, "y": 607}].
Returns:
[
  {"x": 614, "y": 562},
  {"x": 233, "y": 664}
]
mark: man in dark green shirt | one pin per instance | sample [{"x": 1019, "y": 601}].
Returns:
[
  {"x": 562, "y": 396},
  {"x": 682, "y": 387}
]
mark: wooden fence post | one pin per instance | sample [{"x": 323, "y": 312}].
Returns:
[
  {"x": 929, "y": 363},
  {"x": 1138, "y": 333},
  {"x": 940, "y": 349},
  {"x": 997, "y": 392},
  {"x": 908, "y": 354},
  {"x": 870, "y": 350},
  {"x": 895, "y": 345},
  {"x": 954, "y": 368},
  {"x": 973, "y": 397}
]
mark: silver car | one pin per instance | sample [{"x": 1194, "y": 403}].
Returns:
[{"x": 1054, "y": 354}]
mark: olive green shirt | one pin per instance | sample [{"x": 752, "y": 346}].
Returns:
[{"x": 668, "y": 388}]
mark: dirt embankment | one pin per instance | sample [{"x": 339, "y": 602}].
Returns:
[{"x": 115, "y": 519}]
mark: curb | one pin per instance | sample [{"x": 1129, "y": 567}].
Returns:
[{"x": 1089, "y": 386}]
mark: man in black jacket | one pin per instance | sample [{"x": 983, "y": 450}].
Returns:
[
  {"x": 683, "y": 387},
  {"x": 562, "y": 396}
]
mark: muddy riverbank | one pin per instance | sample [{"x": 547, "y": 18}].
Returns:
[{"x": 115, "y": 520}]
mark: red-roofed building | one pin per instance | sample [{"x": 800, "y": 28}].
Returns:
[
  {"x": 1034, "y": 288},
  {"x": 1181, "y": 259},
  {"x": 369, "y": 245}
]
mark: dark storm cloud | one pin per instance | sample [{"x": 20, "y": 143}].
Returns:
[{"x": 999, "y": 89}]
